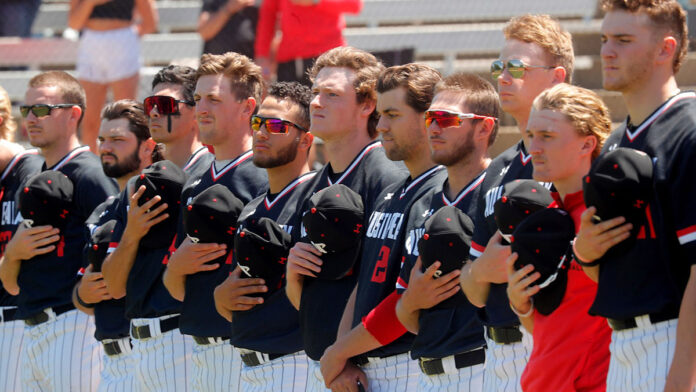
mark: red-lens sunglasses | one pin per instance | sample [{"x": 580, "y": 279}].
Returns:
[
  {"x": 446, "y": 119},
  {"x": 165, "y": 104}
]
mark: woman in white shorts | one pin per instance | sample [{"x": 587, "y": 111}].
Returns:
[{"x": 109, "y": 52}]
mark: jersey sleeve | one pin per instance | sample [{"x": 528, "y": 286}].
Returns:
[
  {"x": 481, "y": 235},
  {"x": 683, "y": 194}
]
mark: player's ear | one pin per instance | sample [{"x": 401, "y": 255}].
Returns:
[{"x": 249, "y": 107}]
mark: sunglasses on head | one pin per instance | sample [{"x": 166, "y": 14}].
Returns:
[
  {"x": 165, "y": 104},
  {"x": 515, "y": 67},
  {"x": 273, "y": 125},
  {"x": 447, "y": 119},
  {"x": 41, "y": 110}
]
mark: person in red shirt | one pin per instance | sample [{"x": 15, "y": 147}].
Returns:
[
  {"x": 566, "y": 130},
  {"x": 309, "y": 28}
]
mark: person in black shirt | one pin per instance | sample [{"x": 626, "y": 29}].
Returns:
[{"x": 228, "y": 26}]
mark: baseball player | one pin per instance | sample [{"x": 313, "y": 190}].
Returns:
[
  {"x": 172, "y": 122},
  {"x": 644, "y": 290},
  {"x": 403, "y": 95},
  {"x": 224, "y": 123},
  {"x": 462, "y": 123},
  {"x": 17, "y": 165},
  {"x": 538, "y": 53},
  {"x": 344, "y": 117},
  {"x": 41, "y": 263},
  {"x": 566, "y": 130},
  {"x": 125, "y": 149},
  {"x": 266, "y": 332}
]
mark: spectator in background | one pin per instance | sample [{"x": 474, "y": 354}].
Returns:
[
  {"x": 309, "y": 28},
  {"x": 228, "y": 26},
  {"x": 8, "y": 125},
  {"x": 17, "y": 16},
  {"x": 109, "y": 52}
]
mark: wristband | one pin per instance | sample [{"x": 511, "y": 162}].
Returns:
[
  {"x": 80, "y": 301},
  {"x": 529, "y": 312},
  {"x": 582, "y": 262}
]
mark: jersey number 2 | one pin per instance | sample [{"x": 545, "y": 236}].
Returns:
[{"x": 380, "y": 273}]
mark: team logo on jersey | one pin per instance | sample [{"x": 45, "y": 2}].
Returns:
[
  {"x": 427, "y": 213},
  {"x": 321, "y": 247},
  {"x": 504, "y": 170},
  {"x": 388, "y": 196}
]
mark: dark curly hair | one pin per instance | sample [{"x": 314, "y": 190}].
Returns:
[{"x": 297, "y": 93}]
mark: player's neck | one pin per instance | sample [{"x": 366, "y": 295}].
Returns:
[
  {"x": 572, "y": 183},
  {"x": 180, "y": 151},
  {"x": 54, "y": 153},
  {"x": 341, "y": 151},
  {"x": 642, "y": 100},
  {"x": 233, "y": 146},
  {"x": 462, "y": 173},
  {"x": 8, "y": 151},
  {"x": 420, "y": 163},
  {"x": 279, "y": 177}
]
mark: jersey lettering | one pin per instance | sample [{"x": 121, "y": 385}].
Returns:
[
  {"x": 384, "y": 225},
  {"x": 10, "y": 215},
  {"x": 412, "y": 238},
  {"x": 380, "y": 273},
  {"x": 492, "y": 196}
]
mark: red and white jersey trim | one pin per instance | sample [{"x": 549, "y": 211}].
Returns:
[
  {"x": 401, "y": 284},
  {"x": 632, "y": 135},
  {"x": 112, "y": 247},
  {"x": 288, "y": 188},
  {"x": 15, "y": 160},
  {"x": 356, "y": 161},
  {"x": 687, "y": 235},
  {"x": 215, "y": 174},
  {"x": 195, "y": 156},
  {"x": 474, "y": 184},
  {"x": 420, "y": 179},
  {"x": 70, "y": 156},
  {"x": 525, "y": 158},
  {"x": 476, "y": 250}
]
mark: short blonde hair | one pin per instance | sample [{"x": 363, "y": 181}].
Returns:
[
  {"x": 245, "y": 76},
  {"x": 546, "y": 32},
  {"x": 8, "y": 126},
  {"x": 582, "y": 107},
  {"x": 367, "y": 69}
]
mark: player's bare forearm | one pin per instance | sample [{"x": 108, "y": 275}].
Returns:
[
  {"x": 682, "y": 373},
  {"x": 592, "y": 273},
  {"x": 357, "y": 341},
  {"x": 475, "y": 289},
  {"x": 118, "y": 264},
  {"x": 9, "y": 271},
  {"x": 175, "y": 284},
  {"x": 294, "y": 292},
  {"x": 528, "y": 323},
  {"x": 348, "y": 312},
  {"x": 408, "y": 316}
]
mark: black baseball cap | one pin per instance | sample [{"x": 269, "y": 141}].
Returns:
[
  {"x": 164, "y": 179},
  {"x": 520, "y": 199},
  {"x": 543, "y": 240},
  {"x": 620, "y": 183},
  {"x": 46, "y": 199},
  {"x": 334, "y": 225},
  {"x": 211, "y": 216},
  {"x": 99, "y": 244},
  {"x": 261, "y": 249},
  {"x": 447, "y": 239}
]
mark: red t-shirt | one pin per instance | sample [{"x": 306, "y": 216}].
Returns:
[
  {"x": 571, "y": 348},
  {"x": 307, "y": 31}
]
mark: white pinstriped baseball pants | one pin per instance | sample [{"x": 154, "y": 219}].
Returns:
[
  {"x": 61, "y": 354},
  {"x": 468, "y": 379},
  {"x": 11, "y": 337},
  {"x": 641, "y": 357},
  {"x": 117, "y": 374},
  {"x": 287, "y": 374},
  {"x": 315, "y": 381},
  {"x": 396, "y": 373},
  {"x": 215, "y": 367},
  {"x": 505, "y": 363}
]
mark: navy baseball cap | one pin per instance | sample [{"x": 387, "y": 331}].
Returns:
[
  {"x": 46, "y": 199},
  {"x": 164, "y": 179},
  {"x": 334, "y": 225},
  {"x": 521, "y": 198},
  {"x": 543, "y": 240},
  {"x": 261, "y": 249},
  {"x": 211, "y": 216},
  {"x": 447, "y": 239},
  {"x": 99, "y": 244},
  {"x": 620, "y": 183}
]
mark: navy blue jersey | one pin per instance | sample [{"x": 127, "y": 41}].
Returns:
[
  {"x": 109, "y": 315},
  {"x": 272, "y": 327},
  {"x": 21, "y": 167},
  {"x": 652, "y": 276},
  {"x": 323, "y": 301},
  {"x": 245, "y": 181},
  {"x": 48, "y": 280},
  {"x": 512, "y": 164},
  {"x": 448, "y": 331},
  {"x": 146, "y": 296},
  {"x": 382, "y": 249}
]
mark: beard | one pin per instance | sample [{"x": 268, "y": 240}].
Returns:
[
  {"x": 285, "y": 155},
  {"x": 119, "y": 169},
  {"x": 462, "y": 150}
]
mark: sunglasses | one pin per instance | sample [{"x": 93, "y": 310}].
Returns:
[
  {"x": 273, "y": 125},
  {"x": 447, "y": 119},
  {"x": 41, "y": 110},
  {"x": 515, "y": 67},
  {"x": 165, "y": 105}
]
